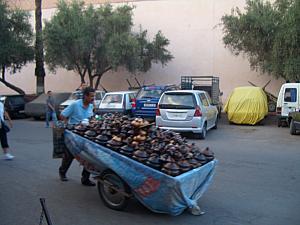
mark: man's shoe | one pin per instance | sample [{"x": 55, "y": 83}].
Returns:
[
  {"x": 8, "y": 156},
  {"x": 63, "y": 177},
  {"x": 88, "y": 183}
]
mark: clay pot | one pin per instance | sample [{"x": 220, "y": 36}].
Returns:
[
  {"x": 201, "y": 158},
  {"x": 139, "y": 138},
  {"x": 184, "y": 165},
  {"x": 140, "y": 156},
  {"x": 79, "y": 129},
  {"x": 90, "y": 134},
  {"x": 126, "y": 150},
  {"x": 209, "y": 154},
  {"x": 101, "y": 139},
  {"x": 194, "y": 163},
  {"x": 115, "y": 143},
  {"x": 171, "y": 169},
  {"x": 153, "y": 161},
  {"x": 165, "y": 158}
]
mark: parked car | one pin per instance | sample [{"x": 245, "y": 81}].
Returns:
[
  {"x": 147, "y": 98},
  {"x": 120, "y": 101},
  {"x": 77, "y": 95},
  {"x": 37, "y": 107},
  {"x": 72, "y": 98},
  {"x": 288, "y": 101},
  {"x": 186, "y": 111},
  {"x": 98, "y": 97},
  {"x": 246, "y": 105},
  {"x": 294, "y": 121},
  {"x": 14, "y": 105}
]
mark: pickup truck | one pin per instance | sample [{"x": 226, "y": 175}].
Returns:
[
  {"x": 210, "y": 84},
  {"x": 294, "y": 121}
]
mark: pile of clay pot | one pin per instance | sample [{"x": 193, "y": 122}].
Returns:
[{"x": 136, "y": 138}]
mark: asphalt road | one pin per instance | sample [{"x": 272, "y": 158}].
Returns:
[{"x": 257, "y": 182}]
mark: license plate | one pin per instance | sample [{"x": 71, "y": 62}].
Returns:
[
  {"x": 177, "y": 116},
  {"x": 149, "y": 105}
]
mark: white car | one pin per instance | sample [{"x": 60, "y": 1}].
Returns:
[
  {"x": 120, "y": 101},
  {"x": 186, "y": 111}
]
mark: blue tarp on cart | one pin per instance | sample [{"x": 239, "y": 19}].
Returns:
[{"x": 159, "y": 192}]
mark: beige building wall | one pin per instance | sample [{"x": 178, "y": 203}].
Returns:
[{"x": 195, "y": 42}]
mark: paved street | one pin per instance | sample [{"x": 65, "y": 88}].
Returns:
[{"x": 257, "y": 182}]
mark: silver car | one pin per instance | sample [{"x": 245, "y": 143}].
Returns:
[{"x": 186, "y": 111}]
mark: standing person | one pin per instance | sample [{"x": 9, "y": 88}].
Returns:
[
  {"x": 74, "y": 114},
  {"x": 3, "y": 133},
  {"x": 50, "y": 110}
]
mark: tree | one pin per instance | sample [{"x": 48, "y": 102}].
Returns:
[
  {"x": 15, "y": 42},
  {"x": 268, "y": 34},
  {"x": 92, "y": 41},
  {"x": 39, "y": 49}
]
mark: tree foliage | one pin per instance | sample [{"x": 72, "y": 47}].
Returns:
[
  {"x": 16, "y": 46},
  {"x": 92, "y": 41},
  {"x": 268, "y": 34}
]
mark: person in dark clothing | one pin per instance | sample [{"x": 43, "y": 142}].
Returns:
[{"x": 74, "y": 114}]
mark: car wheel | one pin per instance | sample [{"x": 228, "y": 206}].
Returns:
[
  {"x": 111, "y": 190},
  {"x": 216, "y": 124},
  {"x": 292, "y": 127},
  {"x": 279, "y": 124},
  {"x": 272, "y": 107},
  {"x": 203, "y": 134}
]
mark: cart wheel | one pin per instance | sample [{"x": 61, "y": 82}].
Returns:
[{"x": 110, "y": 190}]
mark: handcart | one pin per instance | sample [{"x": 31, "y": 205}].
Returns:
[{"x": 120, "y": 177}]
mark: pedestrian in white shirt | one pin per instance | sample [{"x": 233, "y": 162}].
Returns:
[{"x": 3, "y": 132}]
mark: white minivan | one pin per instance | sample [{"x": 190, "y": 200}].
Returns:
[{"x": 288, "y": 101}]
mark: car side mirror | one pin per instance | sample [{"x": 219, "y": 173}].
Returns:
[{"x": 221, "y": 93}]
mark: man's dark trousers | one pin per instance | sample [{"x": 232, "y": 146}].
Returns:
[{"x": 66, "y": 163}]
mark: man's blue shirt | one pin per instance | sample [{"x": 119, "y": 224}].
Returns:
[{"x": 76, "y": 112}]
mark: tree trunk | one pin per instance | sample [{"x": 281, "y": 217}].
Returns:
[
  {"x": 39, "y": 49},
  {"x": 98, "y": 81},
  {"x": 99, "y": 75},
  {"x": 91, "y": 78},
  {"x": 9, "y": 85}
]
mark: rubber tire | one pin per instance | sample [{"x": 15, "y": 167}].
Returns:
[
  {"x": 216, "y": 124},
  {"x": 204, "y": 131},
  {"x": 292, "y": 127},
  {"x": 272, "y": 107},
  {"x": 113, "y": 178},
  {"x": 279, "y": 123}
]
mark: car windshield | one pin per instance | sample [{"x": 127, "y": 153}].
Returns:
[
  {"x": 177, "y": 101},
  {"x": 75, "y": 95},
  {"x": 149, "y": 94},
  {"x": 16, "y": 100},
  {"x": 98, "y": 95},
  {"x": 112, "y": 98}
]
